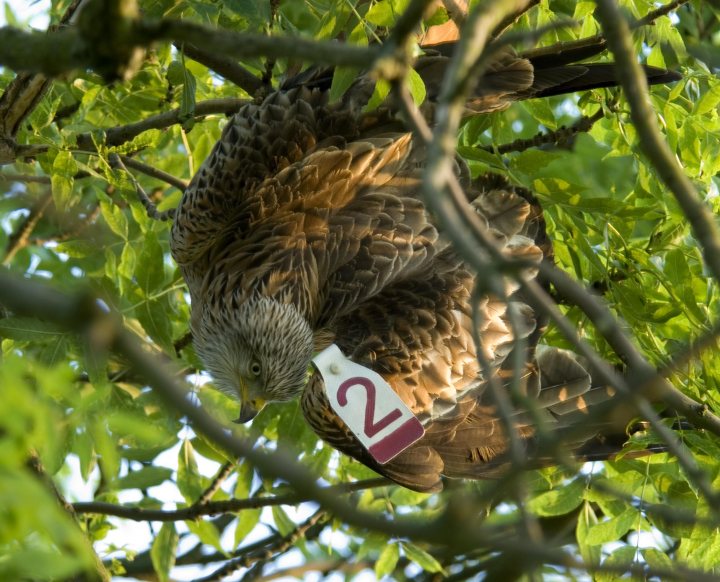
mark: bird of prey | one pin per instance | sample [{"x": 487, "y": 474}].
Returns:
[{"x": 304, "y": 229}]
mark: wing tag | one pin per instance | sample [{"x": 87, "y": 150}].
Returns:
[{"x": 367, "y": 404}]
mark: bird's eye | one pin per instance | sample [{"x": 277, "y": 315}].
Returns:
[{"x": 255, "y": 369}]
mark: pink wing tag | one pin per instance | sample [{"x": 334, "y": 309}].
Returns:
[{"x": 368, "y": 406}]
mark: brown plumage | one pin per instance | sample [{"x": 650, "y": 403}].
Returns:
[{"x": 304, "y": 228}]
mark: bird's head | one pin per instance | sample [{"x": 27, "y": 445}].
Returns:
[{"x": 257, "y": 351}]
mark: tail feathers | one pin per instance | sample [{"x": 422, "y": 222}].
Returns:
[
  {"x": 567, "y": 400},
  {"x": 509, "y": 76},
  {"x": 568, "y": 79}
]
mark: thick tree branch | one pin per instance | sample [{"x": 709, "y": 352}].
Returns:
[
  {"x": 216, "y": 507},
  {"x": 25, "y": 91},
  {"x": 77, "y": 48}
]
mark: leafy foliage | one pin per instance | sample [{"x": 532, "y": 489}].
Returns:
[{"x": 101, "y": 435}]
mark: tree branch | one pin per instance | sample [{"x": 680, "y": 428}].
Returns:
[
  {"x": 116, "y": 136},
  {"x": 279, "y": 546},
  {"x": 216, "y": 507},
  {"x": 225, "y": 471},
  {"x": 225, "y": 67},
  {"x": 19, "y": 239},
  {"x": 154, "y": 172},
  {"x": 77, "y": 48}
]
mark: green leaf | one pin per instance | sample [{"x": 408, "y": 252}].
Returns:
[
  {"x": 416, "y": 86},
  {"x": 30, "y": 330},
  {"x": 621, "y": 557},
  {"x": 382, "y": 88},
  {"x": 708, "y": 101},
  {"x": 138, "y": 430},
  {"x": 426, "y": 561},
  {"x": 612, "y": 529},
  {"x": 657, "y": 559},
  {"x": 78, "y": 248},
  {"x": 343, "y": 77},
  {"x": 62, "y": 189},
  {"x": 403, "y": 496},
  {"x": 207, "y": 533},
  {"x": 163, "y": 550},
  {"x": 283, "y": 523},
  {"x": 106, "y": 449},
  {"x": 144, "y": 478},
  {"x": 244, "y": 475},
  {"x": 62, "y": 179},
  {"x": 83, "y": 448},
  {"x": 150, "y": 271},
  {"x": 386, "y": 12},
  {"x": 114, "y": 217},
  {"x": 586, "y": 520},
  {"x": 387, "y": 560},
  {"x": 126, "y": 268},
  {"x": 541, "y": 110},
  {"x": 559, "y": 501},
  {"x": 155, "y": 316},
  {"x": 246, "y": 522},
  {"x": 175, "y": 73},
  {"x": 187, "y": 102},
  {"x": 189, "y": 480}
]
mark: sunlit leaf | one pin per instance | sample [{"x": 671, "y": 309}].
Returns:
[
  {"x": 163, "y": 550},
  {"x": 426, "y": 561},
  {"x": 387, "y": 560}
]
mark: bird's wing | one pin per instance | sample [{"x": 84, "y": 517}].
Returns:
[
  {"x": 227, "y": 192},
  {"x": 418, "y": 334}
]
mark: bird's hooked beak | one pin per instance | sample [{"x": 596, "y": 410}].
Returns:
[{"x": 249, "y": 408}]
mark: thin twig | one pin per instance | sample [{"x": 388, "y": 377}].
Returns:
[
  {"x": 653, "y": 15},
  {"x": 281, "y": 546},
  {"x": 154, "y": 172},
  {"x": 20, "y": 238},
  {"x": 149, "y": 205},
  {"x": 224, "y": 66},
  {"x": 26, "y": 178},
  {"x": 115, "y": 136},
  {"x": 223, "y": 473},
  {"x": 557, "y": 137}
]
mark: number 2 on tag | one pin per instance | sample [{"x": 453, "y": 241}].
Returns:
[
  {"x": 368, "y": 406},
  {"x": 371, "y": 427}
]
